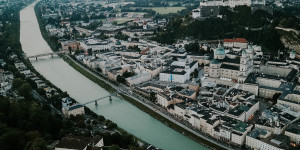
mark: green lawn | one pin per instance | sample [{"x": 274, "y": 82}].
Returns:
[
  {"x": 165, "y": 10},
  {"x": 123, "y": 20},
  {"x": 172, "y": 3},
  {"x": 89, "y": 75}
]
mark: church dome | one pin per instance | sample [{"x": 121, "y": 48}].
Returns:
[
  {"x": 293, "y": 52},
  {"x": 206, "y": 57},
  {"x": 220, "y": 51},
  {"x": 244, "y": 52},
  {"x": 118, "y": 42},
  {"x": 250, "y": 48},
  {"x": 214, "y": 61}
]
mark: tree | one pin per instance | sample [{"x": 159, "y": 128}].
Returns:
[
  {"x": 114, "y": 147},
  {"x": 81, "y": 124},
  {"x": 102, "y": 36},
  {"x": 195, "y": 73},
  {"x": 70, "y": 50},
  {"x": 101, "y": 118},
  {"x": 192, "y": 47},
  {"x": 31, "y": 135},
  {"x": 37, "y": 144},
  {"x": 77, "y": 51},
  {"x": 115, "y": 23},
  {"x": 25, "y": 90},
  {"x": 31, "y": 82},
  {"x": 110, "y": 125},
  {"x": 120, "y": 79},
  {"x": 41, "y": 91},
  {"x": 135, "y": 47},
  {"x": 12, "y": 140},
  {"x": 127, "y": 74},
  {"x": 90, "y": 51},
  {"x": 153, "y": 97},
  {"x": 276, "y": 96},
  {"x": 121, "y": 36},
  {"x": 4, "y": 105},
  {"x": 99, "y": 70},
  {"x": 17, "y": 82},
  {"x": 74, "y": 31},
  {"x": 116, "y": 138}
]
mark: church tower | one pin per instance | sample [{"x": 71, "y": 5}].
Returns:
[
  {"x": 293, "y": 54},
  {"x": 187, "y": 67},
  {"x": 244, "y": 63}
]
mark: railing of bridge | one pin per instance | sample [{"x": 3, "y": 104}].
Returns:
[
  {"x": 45, "y": 54},
  {"x": 98, "y": 99}
]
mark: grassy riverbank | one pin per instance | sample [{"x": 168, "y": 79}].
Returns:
[
  {"x": 170, "y": 123},
  {"x": 91, "y": 77},
  {"x": 143, "y": 107},
  {"x": 52, "y": 41},
  {"x": 88, "y": 75}
]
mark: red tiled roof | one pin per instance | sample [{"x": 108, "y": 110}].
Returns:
[
  {"x": 241, "y": 40},
  {"x": 229, "y": 40},
  {"x": 144, "y": 52},
  {"x": 238, "y": 40}
]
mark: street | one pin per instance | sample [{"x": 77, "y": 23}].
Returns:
[{"x": 125, "y": 90}]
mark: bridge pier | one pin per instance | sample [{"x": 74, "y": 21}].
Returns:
[
  {"x": 36, "y": 58},
  {"x": 51, "y": 55},
  {"x": 96, "y": 103},
  {"x": 110, "y": 98}
]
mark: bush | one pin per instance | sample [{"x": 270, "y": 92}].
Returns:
[{"x": 101, "y": 118}]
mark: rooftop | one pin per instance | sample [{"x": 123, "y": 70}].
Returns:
[
  {"x": 257, "y": 132},
  {"x": 294, "y": 127},
  {"x": 231, "y": 67},
  {"x": 214, "y": 61},
  {"x": 238, "y": 40}
]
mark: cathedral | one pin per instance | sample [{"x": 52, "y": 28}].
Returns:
[{"x": 230, "y": 65}]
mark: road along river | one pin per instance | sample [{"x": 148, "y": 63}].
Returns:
[{"x": 82, "y": 89}]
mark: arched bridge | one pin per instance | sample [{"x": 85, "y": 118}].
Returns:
[
  {"x": 98, "y": 99},
  {"x": 45, "y": 54}
]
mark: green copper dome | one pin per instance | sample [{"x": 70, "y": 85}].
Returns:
[
  {"x": 118, "y": 42},
  {"x": 214, "y": 61},
  {"x": 250, "y": 47},
  {"x": 220, "y": 51},
  {"x": 293, "y": 52},
  {"x": 244, "y": 52},
  {"x": 206, "y": 57}
]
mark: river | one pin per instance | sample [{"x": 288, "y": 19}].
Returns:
[{"x": 82, "y": 89}]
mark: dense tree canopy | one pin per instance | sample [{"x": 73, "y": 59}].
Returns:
[
  {"x": 26, "y": 124},
  {"x": 240, "y": 22},
  {"x": 192, "y": 47}
]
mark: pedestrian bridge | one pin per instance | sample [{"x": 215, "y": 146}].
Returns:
[
  {"x": 101, "y": 98},
  {"x": 45, "y": 54}
]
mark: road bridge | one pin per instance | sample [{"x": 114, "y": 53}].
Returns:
[
  {"x": 45, "y": 54},
  {"x": 98, "y": 99}
]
